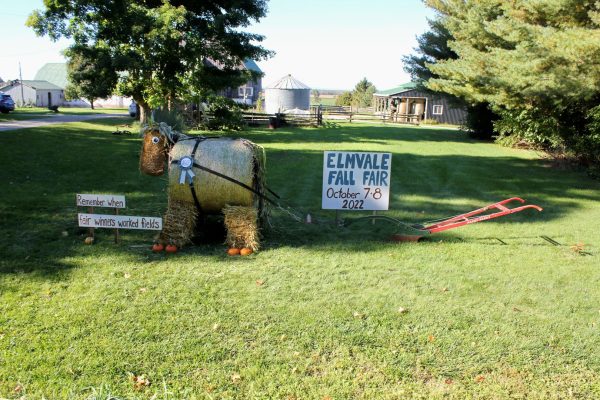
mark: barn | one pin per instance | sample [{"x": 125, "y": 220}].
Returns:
[
  {"x": 38, "y": 93},
  {"x": 408, "y": 103}
]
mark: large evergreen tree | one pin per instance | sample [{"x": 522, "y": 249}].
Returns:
[
  {"x": 433, "y": 47},
  {"x": 536, "y": 62},
  {"x": 161, "y": 45}
]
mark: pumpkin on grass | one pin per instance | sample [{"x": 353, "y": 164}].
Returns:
[
  {"x": 233, "y": 251},
  {"x": 246, "y": 251}
]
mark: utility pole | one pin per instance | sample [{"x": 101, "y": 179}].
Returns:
[{"x": 21, "y": 83}]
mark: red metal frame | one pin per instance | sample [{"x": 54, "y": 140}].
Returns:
[{"x": 471, "y": 217}]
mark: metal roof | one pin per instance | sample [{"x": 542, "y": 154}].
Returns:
[
  {"x": 399, "y": 89},
  {"x": 41, "y": 85},
  {"x": 288, "y": 82},
  {"x": 55, "y": 73},
  {"x": 251, "y": 65}
]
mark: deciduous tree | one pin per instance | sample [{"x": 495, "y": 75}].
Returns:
[{"x": 161, "y": 45}]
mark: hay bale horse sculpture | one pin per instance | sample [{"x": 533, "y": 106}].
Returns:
[{"x": 207, "y": 176}]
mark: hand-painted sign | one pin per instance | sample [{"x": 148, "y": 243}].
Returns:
[
  {"x": 100, "y": 200},
  {"x": 356, "y": 180},
  {"x": 119, "y": 221}
]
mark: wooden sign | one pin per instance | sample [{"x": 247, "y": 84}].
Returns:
[
  {"x": 101, "y": 200},
  {"x": 356, "y": 180},
  {"x": 119, "y": 221}
]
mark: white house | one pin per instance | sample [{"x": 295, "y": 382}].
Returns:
[{"x": 38, "y": 93}]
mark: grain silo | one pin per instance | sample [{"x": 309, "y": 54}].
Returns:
[{"x": 287, "y": 93}]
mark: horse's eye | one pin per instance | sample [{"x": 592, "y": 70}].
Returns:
[{"x": 155, "y": 139}]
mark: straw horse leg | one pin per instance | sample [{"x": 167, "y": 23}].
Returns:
[{"x": 179, "y": 223}]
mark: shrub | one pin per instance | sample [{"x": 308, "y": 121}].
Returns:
[{"x": 223, "y": 114}]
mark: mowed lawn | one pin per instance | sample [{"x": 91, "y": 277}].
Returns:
[{"x": 490, "y": 310}]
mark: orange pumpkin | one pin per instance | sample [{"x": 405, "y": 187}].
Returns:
[
  {"x": 246, "y": 251},
  {"x": 233, "y": 251},
  {"x": 171, "y": 248},
  {"x": 157, "y": 247}
]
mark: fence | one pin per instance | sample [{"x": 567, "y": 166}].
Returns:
[{"x": 347, "y": 113}]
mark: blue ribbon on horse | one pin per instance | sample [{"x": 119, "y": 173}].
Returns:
[{"x": 185, "y": 165}]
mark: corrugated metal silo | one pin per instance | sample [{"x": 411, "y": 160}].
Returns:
[{"x": 287, "y": 93}]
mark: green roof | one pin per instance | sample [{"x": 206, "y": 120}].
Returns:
[
  {"x": 55, "y": 73},
  {"x": 41, "y": 85},
  {"x": 398, "y": 89}
]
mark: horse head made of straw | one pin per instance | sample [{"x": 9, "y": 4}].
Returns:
[{"x": 158, "y": 139}]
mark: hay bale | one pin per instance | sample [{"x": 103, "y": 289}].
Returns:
[
  {"x": 234, "y": 158},
  {"x": 242, "y": 227},
  {"x": 179, "y": 221}
]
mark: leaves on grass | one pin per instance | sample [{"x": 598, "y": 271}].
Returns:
[
  {"x": 142, "y": 290},
  {"x": 358, "y": 315},
  {"x": 260, "y": 282},
  {"x": 18, "y": 389},
  {"x": 126, "y": 275},
  {"x": 236, "y": 378},
  {"x": 139, "y": 381},
  {"x": 402, "y": 310},
  {"x": 431, "y": 338},
  {"x": 448, "y": 381},
  {"x": 578, "y": 248},
  {"x": 479, "y": 378},
  {"x": 215, "y": 326}
]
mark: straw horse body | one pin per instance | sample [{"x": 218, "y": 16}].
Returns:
[{"x": 207, "y": 176}]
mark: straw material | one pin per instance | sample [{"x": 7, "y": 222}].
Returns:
[
  {"x": 179, "y": 222},
  {"x": 242, "y": 227},
  {"x": 234, "y": 158},
  {"x": 153, "y": 156}
]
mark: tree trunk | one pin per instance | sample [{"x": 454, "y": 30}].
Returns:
[
  {"x": 92, "y": 103},
  {"x": 144, "y": 112}
]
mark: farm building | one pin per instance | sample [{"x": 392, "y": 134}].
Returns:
[
  {"x": 38, "y": 93},
  {"x": 56, "y": 73},
  {"x": 407, "y": 103},
  {"x": 249, "y": 92},
  {"x": 287, "y": 93}
]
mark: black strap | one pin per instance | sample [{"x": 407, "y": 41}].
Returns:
[
  {"x": 192, "y": 188},
  {"x": 220, "y": 175},
  {"x": 230, "y": 179}
]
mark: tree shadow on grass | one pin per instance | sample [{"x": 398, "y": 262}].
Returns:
[{"x": 45, "y": 167}]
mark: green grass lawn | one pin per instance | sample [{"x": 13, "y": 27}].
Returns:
[
  {"x": 20, "y": 114},
  {"x": 490, "y": 310}
]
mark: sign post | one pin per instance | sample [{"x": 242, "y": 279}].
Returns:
[{"x": 356, "y": 181}]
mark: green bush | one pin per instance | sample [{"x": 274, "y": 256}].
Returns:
[{"x": 223, "y": 114}]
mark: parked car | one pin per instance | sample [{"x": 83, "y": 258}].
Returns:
[
  {"x": 133, "y": 109},
  {"x": 6, "y": 103}
]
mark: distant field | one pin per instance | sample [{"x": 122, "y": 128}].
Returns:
[{"x": 326, "y": 101}]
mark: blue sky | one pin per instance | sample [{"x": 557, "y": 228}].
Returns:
[{"x": 327, "y": 44}]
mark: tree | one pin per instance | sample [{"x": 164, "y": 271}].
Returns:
[
  {"x": 162, "y": 46},
  {"x": 433, "y": 47},
  {"x": 535, "y": 62},
  {"x": 362, "y": 95},
  {"x": 344, "y": 99},
  {"x": 91, "y": 73},
  {"x": 316, "y": 95}
]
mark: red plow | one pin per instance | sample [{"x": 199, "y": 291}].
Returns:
[{"x": 412, "y": 233}]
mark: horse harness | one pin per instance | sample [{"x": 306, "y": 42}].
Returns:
[{"x": 187, "y": 163}]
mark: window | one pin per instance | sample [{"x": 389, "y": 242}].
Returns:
[
  {"x": 438, "y": 110},
  {"x": 245, "y": 91}
]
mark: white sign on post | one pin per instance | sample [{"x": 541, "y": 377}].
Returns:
[
  {"x": 119, "y": 221},
  {"x": 100, "y": 200},
  {"x": 356, "y": 180}
]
